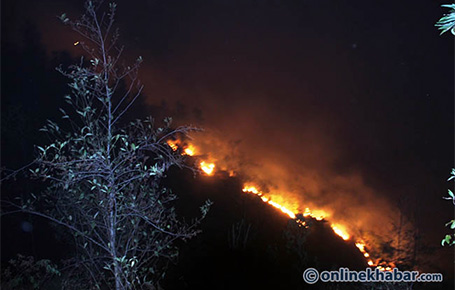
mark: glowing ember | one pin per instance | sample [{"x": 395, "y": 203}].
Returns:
[
  {"x": 208, "y": 168},
  {"x": 382, "y": 268},
  {"x": 301, "y": 223},
  {"x": 341, "y": 231}
]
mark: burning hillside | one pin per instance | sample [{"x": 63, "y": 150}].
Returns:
[{"x": 288, "y": 205}]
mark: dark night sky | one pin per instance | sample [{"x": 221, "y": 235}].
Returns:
[{"x": 346, "y": 105}]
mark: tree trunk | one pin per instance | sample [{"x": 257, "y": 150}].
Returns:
[{"x": 113, "y": 242}]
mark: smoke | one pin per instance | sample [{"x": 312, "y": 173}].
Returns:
[
  {"x": 290, "y": 145},
  {"x": 320, "y": 114},
  {"x": 298, "y": 181}
]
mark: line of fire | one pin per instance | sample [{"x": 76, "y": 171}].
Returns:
[{"x": 208, "y": 168}]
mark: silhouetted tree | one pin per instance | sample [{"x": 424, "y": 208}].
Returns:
[{"x": 104, "y": 179}]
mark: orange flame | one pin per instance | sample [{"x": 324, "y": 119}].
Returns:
[
  {"x": 282, "y": 208},
  {"x": 361, "y": 246},
  {"x": 208, "y": 168},
  {"x": 251, "y": 189},
  {"x": 318, "y": 214},
  {"x": 173, "y": 144},
  {"x": 190, "y": 150},
  {"x": 337, "y": 228},
  {"x": 341, "y": 231},
  {"x": 254, "y": 190}
]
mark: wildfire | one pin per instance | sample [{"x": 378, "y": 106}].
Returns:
[
  {"x": 208, "y": 168},
  {"x": 341, "y": 231},
  {"x": 282, "y": 208},
  {"x": 173, "y": 144},
  {"x": 251, "y": 189},
  {"x": 337, "y": 228},
  {"x": 318, "y": 214},
  {"x": 254, "y": 190},
  {"x": 190, "y": 150},
  {"x": 361, "y": 246}
]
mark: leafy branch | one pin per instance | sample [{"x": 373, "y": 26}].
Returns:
[
  {"x": 104, "y": 175},
  {"x": 450, "y": 239},
  {"x": 447, "y": 22}
]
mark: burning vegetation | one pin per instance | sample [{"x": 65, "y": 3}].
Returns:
[
  {"x": 190, "y": 150},
  {"x": 209, "y": 168}
]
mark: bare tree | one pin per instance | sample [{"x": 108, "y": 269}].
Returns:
[{"x": 105, "y": 179}]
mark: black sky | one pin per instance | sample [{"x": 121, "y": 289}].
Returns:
[{"x": 340, "y": 103}]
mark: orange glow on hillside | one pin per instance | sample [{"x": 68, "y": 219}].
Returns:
[
  {"x": 209, "y": 168},
  {"x": 338, "y": 229}
]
